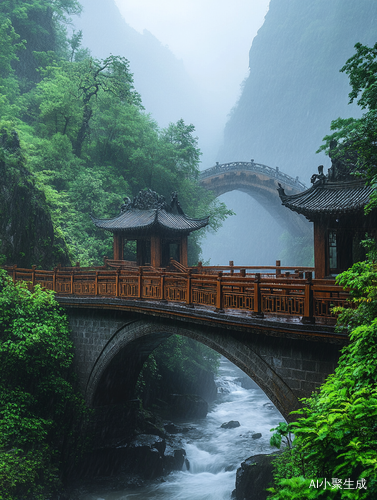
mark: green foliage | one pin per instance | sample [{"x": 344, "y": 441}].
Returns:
[
  {"x": 40, "y": 413},
  {"x": 361, "y": 280},
  {"x": 84, "y": 133},
  {"x": 335, "y": 434},
  {"x": 283, "y": 430},
  {"x": 357, "y": 138}
]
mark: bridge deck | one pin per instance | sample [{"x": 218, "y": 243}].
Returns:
[{"x": 281, "y": 296}]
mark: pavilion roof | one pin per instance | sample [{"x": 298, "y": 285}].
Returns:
[
  {"x": 329, "y": 198},
  {"x": 149, "y": 213}
]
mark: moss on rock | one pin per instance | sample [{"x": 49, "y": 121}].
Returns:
[{"x": 27, "y": 234}]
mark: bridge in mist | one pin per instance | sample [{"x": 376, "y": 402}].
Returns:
[
  {"x": 276, "y": 326},
  {"x": 261, "y": 183}
]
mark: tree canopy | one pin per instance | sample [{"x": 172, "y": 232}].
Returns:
[
  {"x": 40, "y": 413},
  {"x": 335, "y": 435},
  {"x": 84, "y": 133},
  {"x": 356, "y": 139}
]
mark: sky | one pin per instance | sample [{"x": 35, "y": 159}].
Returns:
[{"x": 212, "y": 37}]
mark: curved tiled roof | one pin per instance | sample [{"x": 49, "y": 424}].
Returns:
[
  {"x": 328, "y": 198},
  {"x": 135, "y": 221}
]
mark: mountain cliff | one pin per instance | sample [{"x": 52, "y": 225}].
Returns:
[
  {"x": 27, "y": 234},
  {"x": 167, "y": 92},
  {"x": 294, "y": 88}
]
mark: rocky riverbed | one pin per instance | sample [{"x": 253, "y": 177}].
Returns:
[{"x": 185, "y": 458}]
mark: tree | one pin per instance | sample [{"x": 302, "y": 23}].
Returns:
[
  {"x": 356, "y": 139},
  {"x": 335, "y": 434},
  {"x": 67, "y": 97},
  {"x": 40, "y": 413},
  {"x": 9, "y": 88},
  {"x": 38, "y": 23}
]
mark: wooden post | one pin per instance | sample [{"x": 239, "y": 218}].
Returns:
[
  {"x": 219, "y": 293},
  {"x": 116, "y": 251},
  {"x": 231, "y": 264},
  {"x": 72, "y": 282},
  {"x": 96, "y": 284},
  {"x": 278, "y": 270},
  {"x": 308, "y": 300},
  {"x": 183, "y": 251},
  {"x": 242, "y": 273},
  {"x": 155, "y": 251},
  {"x": 117, "y": 282},
  {"x": 189, "y": 290},
  {"x": 54, "y": 279},
  {"x": 33, "y": 268},
  {"x": 321, "y": 264},
  {"x": 14, "y": 273},
  {"x": 257, "y": 297},
  {"x": 162, "y": 285},
  {"x": 140, "y": 283}
]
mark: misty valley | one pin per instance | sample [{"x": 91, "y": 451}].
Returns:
[{"x": 187, "y": 259}]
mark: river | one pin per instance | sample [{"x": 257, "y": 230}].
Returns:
[{"x": 214, "y": 453}]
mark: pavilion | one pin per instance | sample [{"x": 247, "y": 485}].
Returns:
[
  {"x": 159, "y": 229},
  {"x": 335, "y": 204}
]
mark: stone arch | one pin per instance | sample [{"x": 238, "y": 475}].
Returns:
[
  {"x": 116, "y": 369},
  {"x": 260, "y": 184}
]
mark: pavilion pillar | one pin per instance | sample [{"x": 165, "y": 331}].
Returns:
[
  {"x": 155, "y": 251},
  {"x": 118, "y": 246},
  {"x": 183, "y": 251},
  {"x": 140, "y": 252},
  {"x": 321, "y": 264}
]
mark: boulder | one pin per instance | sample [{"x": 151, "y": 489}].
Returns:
[
  {"x": 145, "y": 456},
  {"x": 27, "y": 234},
  {"x": 253, "y": 477},
  {"x": 257, "y": 435},
  {"x": 175, "y": 459},
  {"x": 232, "y": 424}
]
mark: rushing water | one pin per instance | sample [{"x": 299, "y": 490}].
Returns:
[{"x": 214, "y": 453}]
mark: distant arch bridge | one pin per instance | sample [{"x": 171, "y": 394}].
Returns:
[{"x": 261, "y": 183}]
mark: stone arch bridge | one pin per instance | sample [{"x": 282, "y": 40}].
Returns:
[
  {"x": 260, "y": 182},
  {"x": 114, "y": 337}
]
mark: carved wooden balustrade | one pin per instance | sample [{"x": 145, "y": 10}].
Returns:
[{"x": 260, "y": 294}]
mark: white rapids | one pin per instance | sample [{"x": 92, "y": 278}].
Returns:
[{"x": 214, "y": 453}]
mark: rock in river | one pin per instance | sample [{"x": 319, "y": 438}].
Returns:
[{"x": 232, "y": 424}]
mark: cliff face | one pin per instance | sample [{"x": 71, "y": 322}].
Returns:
[
  {"x": 166, "y": 90},
  {"x": 27, "y": 235},
  {"x": 295, "y": 88}
]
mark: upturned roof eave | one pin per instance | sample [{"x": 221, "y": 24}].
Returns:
[
  {"x": 155, "y": 224},
  {"x": 341, "y": 198}
]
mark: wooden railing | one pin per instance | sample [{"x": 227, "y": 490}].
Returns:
[{"x": 275, "y": 295}]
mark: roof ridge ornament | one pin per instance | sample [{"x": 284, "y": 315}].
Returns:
[
  {"x": 320, "y": 178},
  {"x": 146, "y": 199},
  {"x": 281, "y": 190}
]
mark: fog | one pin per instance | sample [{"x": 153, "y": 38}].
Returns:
[
  {"x": 190, "y": 60},
  {"x": 188, "y": 57},
  {"x": 212, "y": 38}
]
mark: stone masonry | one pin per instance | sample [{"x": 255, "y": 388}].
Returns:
[{"x": 112, "y": 345}]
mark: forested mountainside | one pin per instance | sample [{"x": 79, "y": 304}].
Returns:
[
  {"x": 294, "y": 88},
  {"x": 167, "y": 91},
  {"x": 85, "y": 139}
]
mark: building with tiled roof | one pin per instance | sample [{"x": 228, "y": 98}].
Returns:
[
  {"x": 335, "y": 204},
  {"x": 160, "y": 229}
]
